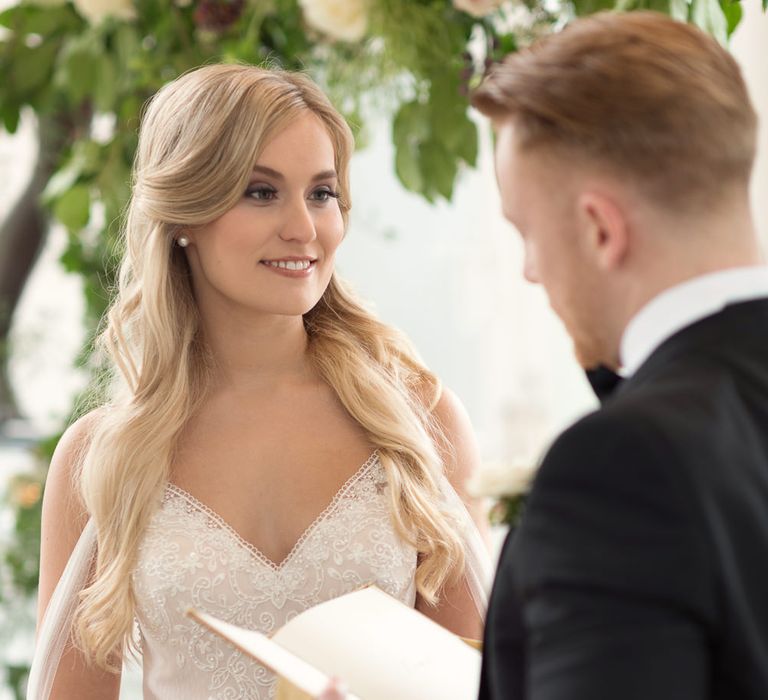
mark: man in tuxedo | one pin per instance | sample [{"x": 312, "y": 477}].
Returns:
[{"x": 639, "y": 570}]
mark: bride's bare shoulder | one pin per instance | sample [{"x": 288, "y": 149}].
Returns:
[
  {"x": 61, "y": 500},
  {"x": 74, "y": 440}
]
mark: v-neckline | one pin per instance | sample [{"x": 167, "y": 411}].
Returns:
[{"x": 305, "y": 535}]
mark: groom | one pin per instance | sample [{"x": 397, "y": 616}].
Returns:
[{"x": 640, "y": 569}]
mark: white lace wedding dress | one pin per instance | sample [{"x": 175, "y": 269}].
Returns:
[{"x": 190, "y": 557}]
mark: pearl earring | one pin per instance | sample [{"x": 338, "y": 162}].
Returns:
[{"x": 182, "y": 241}]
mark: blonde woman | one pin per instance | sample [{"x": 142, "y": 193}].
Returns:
[{"x": 268, "y": 444}]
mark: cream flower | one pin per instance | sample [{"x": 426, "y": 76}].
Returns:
[
  {"x": 477, "y": 8},
  {"x": 45, "y": 3},
  {"x": 339, "y": 19},
  {"x": 499, "y": 480},
  {"x": 96, "y": 11}
]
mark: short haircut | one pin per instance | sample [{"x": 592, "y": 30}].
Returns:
[{"x": 653, "y": 100}]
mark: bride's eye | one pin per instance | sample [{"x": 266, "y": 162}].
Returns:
[
  {"x": 324, "y": 194},
  {"x": 261, "y": 193}
]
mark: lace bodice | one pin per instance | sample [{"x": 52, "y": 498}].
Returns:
[{"x": 191, "y": 557}]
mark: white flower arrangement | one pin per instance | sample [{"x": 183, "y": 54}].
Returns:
[
  {"x": 477, "y": 8},
  {"x": 344, "y": 20},
  {"x": 508, "y": 484},
  {"x": 96, "y": 11}
]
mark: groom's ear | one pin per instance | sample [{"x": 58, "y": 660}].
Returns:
[{"x": 605, "y": 229}]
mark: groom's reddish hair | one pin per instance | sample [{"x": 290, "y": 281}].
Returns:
[{"x": 647, "y": 97}]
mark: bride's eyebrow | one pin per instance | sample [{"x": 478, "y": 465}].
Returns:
[{"x": 264, "y": 170}]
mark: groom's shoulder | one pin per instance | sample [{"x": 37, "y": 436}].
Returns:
[{"x": 621, "y": 441}]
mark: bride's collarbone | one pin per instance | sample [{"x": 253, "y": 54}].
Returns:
[{"x": 270, "y": 500}]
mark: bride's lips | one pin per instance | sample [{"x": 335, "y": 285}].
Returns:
[{"x": 292, "y": 266}]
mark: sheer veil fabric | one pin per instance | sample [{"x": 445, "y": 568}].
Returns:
[{"x": 54, "y": 633}]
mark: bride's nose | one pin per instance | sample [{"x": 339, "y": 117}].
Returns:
[{"x": 298, "y": 224}]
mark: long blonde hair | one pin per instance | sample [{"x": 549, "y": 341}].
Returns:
[{"x": 200, "y": 137}]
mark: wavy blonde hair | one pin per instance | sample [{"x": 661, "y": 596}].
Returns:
[{"x": 200, "y": 137}]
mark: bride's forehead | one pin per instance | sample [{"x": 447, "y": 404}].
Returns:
[{"x": 300, "y": 150}]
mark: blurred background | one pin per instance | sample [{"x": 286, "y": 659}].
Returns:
[{"x": 427, "y": 245}]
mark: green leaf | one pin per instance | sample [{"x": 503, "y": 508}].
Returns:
[
  {"x": 467, "y": 141},
  {"x": 77, "y": 70},
  {"x": 10, "y": 115},
  {"x": 84, "y": 161},
  {"x": 507, "y": 43},
  {"x": 733, "y": 13},
  {"x": 407, "y": 167},
  {"x": 32, "y": 67},
  {"x": 709, "y": 16},
  {"x": 105, "y": 89},
  {"x": 588, "y": 7},
  {"x": 127, "y": 45},
  {"x": 72, "y": 259},
  {"x": 73, "y": 208},
  {"x": 12, "y": 17},
  {"x": 50, "y": 20},
  {"x": 411, "y": 124},
  {"x": 439, "y": 168}
]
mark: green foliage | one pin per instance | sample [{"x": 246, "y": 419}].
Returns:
[
  {"x": 17, "y": 679},
  {"x": 508, "y": 510},
  {"x": 733, "y": 13},
  {"x": 709, "y": 15},
  {"x": 433, "y": 137}
]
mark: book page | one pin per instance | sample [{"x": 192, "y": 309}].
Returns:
[
  {"x": 269, "y": 653},
  {"x": 383, "y": 649}
]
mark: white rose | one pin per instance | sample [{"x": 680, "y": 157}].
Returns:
[
  {"x": 339, "y": 19},
  {"x": 498, "y": 480},
  {"x": 95, "y": 11},
  {"x": 477, "y": 8},
  {"x": 45, "y": 3}
]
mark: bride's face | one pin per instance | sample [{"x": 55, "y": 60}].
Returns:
[{"x": 273, "y": 252}]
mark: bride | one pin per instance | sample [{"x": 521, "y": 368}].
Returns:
[{"x": 267, "y": 444}]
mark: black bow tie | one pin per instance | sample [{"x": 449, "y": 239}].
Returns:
[{"x": 603, "y": 381}]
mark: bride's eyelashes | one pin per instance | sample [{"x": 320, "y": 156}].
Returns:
[
  {"x": 267, "y": 193},
  {"x": 261, "y": 193},
  {"x": 325, "y": 193}
]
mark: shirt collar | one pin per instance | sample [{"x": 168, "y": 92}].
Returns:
[{"x": 684, "y": 304}]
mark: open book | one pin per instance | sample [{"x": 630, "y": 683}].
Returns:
[{"x": 379, "y": 647}]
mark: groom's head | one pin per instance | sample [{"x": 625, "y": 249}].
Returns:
[{"x": 624, "y": 152}]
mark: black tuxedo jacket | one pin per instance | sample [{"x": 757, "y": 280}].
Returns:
[{"x": 640, "y": 568}]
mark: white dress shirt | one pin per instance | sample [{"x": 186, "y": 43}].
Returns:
[{"x": 684, "y": 304}]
